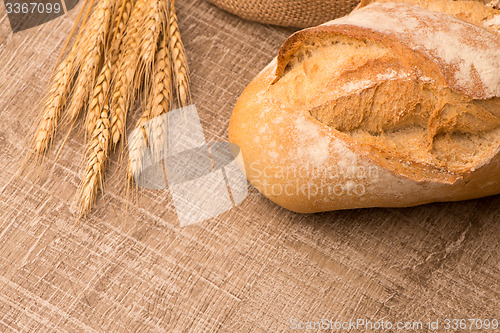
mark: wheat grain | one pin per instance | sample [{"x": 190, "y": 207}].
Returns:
[
  {"x": 179, "y": 60},
  {"x": 94, "y": 172},
  {"x": 92, "y": 49}
]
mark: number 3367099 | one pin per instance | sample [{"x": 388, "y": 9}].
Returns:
[
  {"x": 32, "y": 8},
  {"x": 469, "y": 324}
]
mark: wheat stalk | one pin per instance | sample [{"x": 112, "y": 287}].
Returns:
[
  {"x": 94, "y": 172},
  {"x": 179, "y": 60},
  {"x": 93, "y": 46}
]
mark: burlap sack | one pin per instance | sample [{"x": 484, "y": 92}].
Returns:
[{"x": 291, "y": 13}]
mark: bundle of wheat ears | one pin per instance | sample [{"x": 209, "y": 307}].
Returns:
[{"x": 123, "y": 49}]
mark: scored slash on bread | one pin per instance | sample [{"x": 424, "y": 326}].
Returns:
[{"x": 411, "y": 88}]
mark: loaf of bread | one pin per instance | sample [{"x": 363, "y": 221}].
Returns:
[{"x": 395, "y": 105}]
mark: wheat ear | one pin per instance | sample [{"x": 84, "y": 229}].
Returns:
[
  {"x": 159, "y": 103},
  {"x": 93, "y": 46},
  {"x": 98, "y": 117},
  {"x": 59, "y": 91},
  {"x": 103, "y": 81},
  {"x": 154, "y": 22},
  {"x": 161, "y": 96},
  {"x": 160, "y": 99},
  {"x": 63, "y": 75},
  {"x": 55, "y": 102},
  {"x": 179, "y": 60},
  {"x": 122, "y": 92},
  {"x": 119, "y": 25},
  {"x": 98, "y": 98},
  {"x": 94, "y": 171}
]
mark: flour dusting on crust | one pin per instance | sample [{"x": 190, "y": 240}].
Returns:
[
  {"x": 354, "y": 86},
  {"x": 493, "y": 22},
  {"x": 312, "y": 146},
  {"x": 468, "y": 55}
]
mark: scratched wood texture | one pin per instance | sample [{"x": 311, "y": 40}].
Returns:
[{"x": 251, "y": 269}]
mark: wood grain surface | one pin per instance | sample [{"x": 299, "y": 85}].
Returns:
[{"x": 130, "y": 267}]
